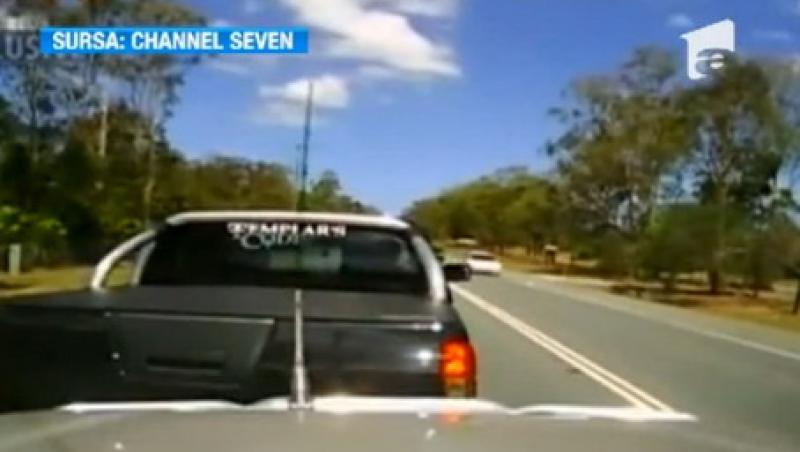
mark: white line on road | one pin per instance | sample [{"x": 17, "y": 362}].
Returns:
[
  {"x": 713, "y": 334},
  {"x": 607, "y": 379}
]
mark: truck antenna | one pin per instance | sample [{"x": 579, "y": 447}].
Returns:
[
  {"x": 300, "y": 398},
  {"x": 300, "y": 386},
  {"x": 304, "y": 149}
]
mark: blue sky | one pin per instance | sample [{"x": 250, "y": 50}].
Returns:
[{"x": 417, "y": 95}]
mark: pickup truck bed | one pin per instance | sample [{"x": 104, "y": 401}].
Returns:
[
  {"x": 211, "y": 308},
  {"x": 147, "y": 343}
]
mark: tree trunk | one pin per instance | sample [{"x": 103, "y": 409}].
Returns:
[
  {"x": 715, "y": 280},
  {"x": 29, "y": 200},
  {"x": 149, "y": 185},
  {"x": 715, "y": 277},
  {"x": 102, "y": 136},
  {"x": 102, "y": 143},
  {"x": 147, "y": 199},
  {"x": 669, "y": 282},
  {"x": 150, "y": 176}
]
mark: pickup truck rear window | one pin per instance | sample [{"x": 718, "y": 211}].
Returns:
[{"x": 311, "y": 256}]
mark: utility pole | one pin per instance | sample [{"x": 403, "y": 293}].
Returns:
[{"x": 304, "y": 148}]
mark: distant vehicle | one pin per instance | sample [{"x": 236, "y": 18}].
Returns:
[
  {"x": 483, "y": 262},
  {"x": 212, "y": 312},
  {"x": 468, "y": 242}
]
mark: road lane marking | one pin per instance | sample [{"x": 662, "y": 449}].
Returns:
[
  {"x": 628, "y": 391},
  {"x": 712, "y": 334}
]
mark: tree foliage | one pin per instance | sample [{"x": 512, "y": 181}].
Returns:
[
  {"x": 84, "y": 157},
  {"x": 509, "y": 207},
  {"x": 655, "y": 177}
]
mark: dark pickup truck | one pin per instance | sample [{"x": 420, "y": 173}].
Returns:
[{"x": 208, "y": 314}]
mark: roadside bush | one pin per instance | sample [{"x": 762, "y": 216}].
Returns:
[
  {"x": 613, "y": 253},
  {"x": 672, "y": 244},
  {"x": 41, "y": 237},
  {"x": 765, "y": 251}
]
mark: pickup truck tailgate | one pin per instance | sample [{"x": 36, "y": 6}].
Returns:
[{"x": 158, "y": 343}]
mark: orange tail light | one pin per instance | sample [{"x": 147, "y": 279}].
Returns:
[{"x": 457, "y": 368}]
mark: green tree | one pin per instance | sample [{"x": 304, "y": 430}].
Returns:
[
  {"x": 224, "y": 182},
  {"x": 151, "y": 82},
  {"x": 40, "y": 235},
  {"x": 767, "y": 251},
  {"x": 324, "y": 192},
  {"x": 508, "y": 207},
  {"x": 740, "y": 140},
  {"x": 624, "y": 137},
  {"x": 532, "y": 213},
  {"x": 326, "y": 195},
  {"x": 8, "y": 122},
  {"x": 430, "y": 215},
  {"x": 670, "y": 244},
  {"x": 21, "y": 182}
]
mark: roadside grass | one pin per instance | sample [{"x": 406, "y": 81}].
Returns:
[
  {"x": 763, "y": 315},
  {"x": 42, "y": 280},
  {"x": 62, "y": 279},
  {"x": 771, "y": 308},
  {"x": 562, "y": 266}
]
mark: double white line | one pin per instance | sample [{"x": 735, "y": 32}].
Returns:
[{"x": 616, "y": 384}]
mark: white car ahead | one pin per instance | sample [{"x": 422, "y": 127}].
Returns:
[{"x": 483, "y": 262}]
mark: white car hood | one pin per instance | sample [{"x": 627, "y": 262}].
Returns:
[{"x": 350, "y": 424}]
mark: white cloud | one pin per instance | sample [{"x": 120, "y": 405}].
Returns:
[
  {"x": 680, "y": 20},
  {"x": 239, "y": 64},
  {"x": 379, "y": 73},
  {"x": 284, "y": 114},
  {"x": 228, "y": 66},
  {"x": 286, "y": 103},
  {"x": 359, "y": 30},
  {"x": 377, "y": 35},
  {"x": 220, "y": 23},
  {"x": 774, "y": 35},
  {"x": 330, "y": 91},
  {"x": 253, "y": 6},
  {"x": 376, "y": 72},
  {"x": 430, "y": 8}
]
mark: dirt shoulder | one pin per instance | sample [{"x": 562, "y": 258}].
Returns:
[
  {"x": 44, "y": 281},
  {"x": 61, "y": 279},
  {"x": 770, "y": 307}
]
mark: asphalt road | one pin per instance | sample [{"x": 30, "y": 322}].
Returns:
[{"x": 549, "y": 343}]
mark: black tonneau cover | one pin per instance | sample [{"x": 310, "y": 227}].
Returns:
[
  {"x": 243, "y": 302},
  {"x": 147, "y": 343}
]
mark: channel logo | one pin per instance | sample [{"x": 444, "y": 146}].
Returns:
[
  {"x": 19, "y": 45},
  {"x": 19, "y": 37},
  {"x": 708, "y": 48}
]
